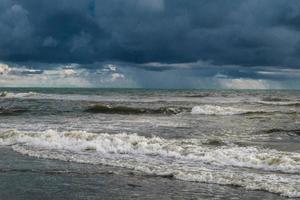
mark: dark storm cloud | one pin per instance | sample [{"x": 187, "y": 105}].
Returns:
[{"x": 223, "y": 32}]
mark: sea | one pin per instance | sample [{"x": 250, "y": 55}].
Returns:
[{"x": 90, "y": 143}]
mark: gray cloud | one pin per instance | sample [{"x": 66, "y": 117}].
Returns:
[{"x": 223, "y": 32}]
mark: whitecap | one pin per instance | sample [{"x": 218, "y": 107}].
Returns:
[
  {"x": 185, "y": 159},
  {"x": 217, "y": 110},
  {"x": 19, "y": 95}
]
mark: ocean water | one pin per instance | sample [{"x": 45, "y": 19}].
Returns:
[{"x": 149, "y": 144}]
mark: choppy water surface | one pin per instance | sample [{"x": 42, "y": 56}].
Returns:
[{"x": 200, "y": 141}]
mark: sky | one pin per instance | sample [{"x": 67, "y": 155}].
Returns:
[{"x": 223, "y": 44}]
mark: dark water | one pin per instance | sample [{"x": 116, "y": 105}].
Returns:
[{"x": 149, "y": 144}]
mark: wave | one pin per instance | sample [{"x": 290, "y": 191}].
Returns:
[
  {"x": 184, "y": 159},
  {"x": 280, "y": 103},
  {"x": 6, "y": 94},
  {"x": 216, "y": 110},
  {"x": 277, "y": 130},
  {"x": 219, "y": 110},
  {"x": 100, "y": 108},
  {"x": 12, "y": 111},
  {"x": 199, "y": 95},
  {"x": 275, "y": 99},
  {"x": 3, "y": 94}
]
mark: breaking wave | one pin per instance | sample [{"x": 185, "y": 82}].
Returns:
[
  {"x": 216, "y": 110},
  {"x": 184, "y": 159},
  {"x": 219, "y": 110},
  {"x": 17, "y": 95}
]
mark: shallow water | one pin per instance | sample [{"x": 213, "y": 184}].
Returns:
[
  {"x": 24, "y": 177},
  {"x": 188, "y": 143}
]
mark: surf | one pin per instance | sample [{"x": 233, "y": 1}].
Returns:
[{"x": 184, "y": 159}]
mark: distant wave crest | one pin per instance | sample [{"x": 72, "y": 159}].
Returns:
[
  {"x": 100, "y": 108},
  {"x": 219, "y": 110},
  {"x": 6, "y": 94},
  {"x": 12, "y": 111},
  {"x": 280, "y": 103}
]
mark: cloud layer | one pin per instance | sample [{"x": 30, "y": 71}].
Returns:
[
  {"x": 239, "y": 32},
  {"x": 199, "y": 75},
  {"x": 155, "y": 43}
]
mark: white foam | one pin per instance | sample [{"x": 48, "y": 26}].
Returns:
[
  {"x": 217, "y": 110},
  {"x": 132, "y": 144},
  {"x": 19, "y": 95},
  {"x": 185, "y": 159},
  {"x": 281, "y": 103}
]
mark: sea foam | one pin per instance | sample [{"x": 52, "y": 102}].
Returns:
[
  {"x": 185, "y": 159},
  {"x": 217, "y": 110},
  {"x": 17, "y": 95}
]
